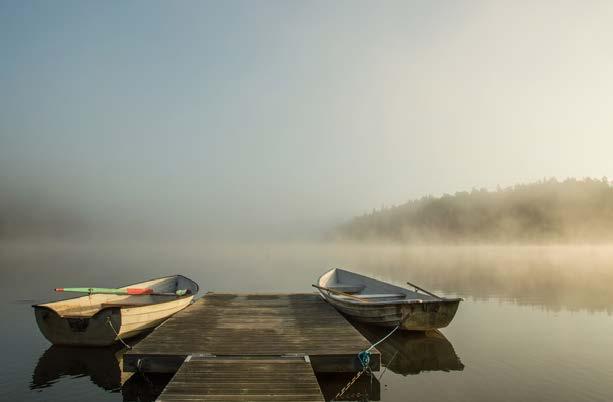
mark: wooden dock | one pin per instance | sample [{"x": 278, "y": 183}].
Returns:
[
  {"x": 220, "y": 379},
  {"x": 226, "y": 335}
]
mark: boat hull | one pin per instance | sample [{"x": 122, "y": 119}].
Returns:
[
  {"x": 375, "y": 302},
  {"x": 412, "y": 317},
  {"x": 107, "y": 326},
  {"x": 103, "y": 319}
]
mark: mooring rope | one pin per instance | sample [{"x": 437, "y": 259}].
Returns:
[
  {"x": 364, "y": 358},
  {"x": 384, "y": 338},
  {"x": 108, "y": 319}
]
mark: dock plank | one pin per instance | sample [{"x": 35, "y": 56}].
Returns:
[
  {"x": 277, "y": 380},
  {"x": 229, "y": 324}
]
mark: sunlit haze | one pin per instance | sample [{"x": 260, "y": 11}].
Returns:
[{"x": 248, "y": 119}]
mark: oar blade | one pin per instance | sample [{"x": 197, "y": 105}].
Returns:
[{"x": 138, "y": 291}]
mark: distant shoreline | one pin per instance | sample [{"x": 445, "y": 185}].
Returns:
[{"x": 571, "y": 211}]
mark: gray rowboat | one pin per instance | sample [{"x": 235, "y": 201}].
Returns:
[{"x": 379, "y": 303}]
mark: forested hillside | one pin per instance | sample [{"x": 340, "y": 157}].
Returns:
[{"x": 549, "y": 210}]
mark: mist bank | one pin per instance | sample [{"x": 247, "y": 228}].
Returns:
[
  {"x": 44, "y": 212},
  {"x": 548, "y": 211},
  {"x": 34, "y": 214},
  {"x": 545, "y": 211},
  {"x": 568, "y": 277}
]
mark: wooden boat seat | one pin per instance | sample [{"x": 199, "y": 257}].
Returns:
[{"x": 348, "y": 288}]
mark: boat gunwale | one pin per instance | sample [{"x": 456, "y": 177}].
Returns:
[
  {"x": 120, "y": 308},
  {"x": 367, "y": 302},
  {"x": 43, "y": 305}
]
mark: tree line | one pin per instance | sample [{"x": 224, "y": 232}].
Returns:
[{"x": 547, "y": 210}]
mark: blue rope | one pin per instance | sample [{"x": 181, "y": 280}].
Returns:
[{"x": 364, "y": 356}]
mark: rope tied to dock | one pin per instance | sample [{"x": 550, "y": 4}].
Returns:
[
  {"x": 108, "y": 320},
  {"x": 364, "y": 356},
  {"x": 364, "y": 359}
]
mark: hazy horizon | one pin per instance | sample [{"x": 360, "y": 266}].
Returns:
[{"x": 279, "y": 119}]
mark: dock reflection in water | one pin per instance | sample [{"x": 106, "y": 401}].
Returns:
[
  {"x": 365, "y": 388},
  {"x": 411, "y": 352},
  {"x": 144, "y": 388}
]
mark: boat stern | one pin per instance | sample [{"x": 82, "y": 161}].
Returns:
[
  {"x": 96, "y": 330},
  {"x": 426, "y": 316}
]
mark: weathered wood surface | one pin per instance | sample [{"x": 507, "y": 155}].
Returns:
[
  {"x": 254, "y": 324},
  {"x": 219, "y": 379}
]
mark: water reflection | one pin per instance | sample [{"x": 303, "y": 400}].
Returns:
[
  {"x": 404, "y": 353},
  {"x": 497, "y": 283},
  {"x": 555, "y": 277},
  {"x": 144, "y": 388},
  {"x": 411, "y": 352},
  {"x": 101, "y": 365},
  {"x": 365, "y": 388}
]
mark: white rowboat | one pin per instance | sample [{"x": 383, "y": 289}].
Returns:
[{"x": 102, "y": 319}]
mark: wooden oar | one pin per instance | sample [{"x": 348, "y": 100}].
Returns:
[
  {"x": 340, "y": 293},
  {"x": 128, "y": 291},
  {"x": 425, "y": 291}
]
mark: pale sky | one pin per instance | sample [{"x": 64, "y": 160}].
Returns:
[{"x": 243, "y": 114}]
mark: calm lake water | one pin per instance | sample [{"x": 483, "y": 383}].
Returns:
[{"x": 536, "y": 323}]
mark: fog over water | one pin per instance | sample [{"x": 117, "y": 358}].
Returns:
[{"x": 555, "y": 278}]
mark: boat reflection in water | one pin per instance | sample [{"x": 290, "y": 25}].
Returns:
[
  {"x": 103, "y": 366},
  {"x": 411, "y": 352},
  {"x": 404, "y": 353}
]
